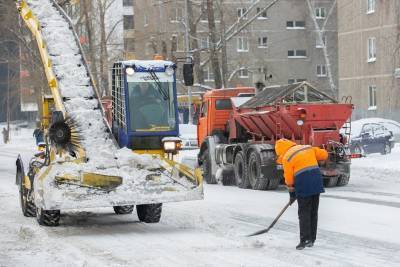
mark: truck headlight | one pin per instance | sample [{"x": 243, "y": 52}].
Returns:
[
  {"x": 130, "y": 71},
  {"x": 169, "y": 146}
]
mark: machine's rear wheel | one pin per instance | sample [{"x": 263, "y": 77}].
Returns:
[
  {"x": 241, "y": 175},
  {"x": 343, "y": 180},
  {"x": 207, "y": 174},
  {"x": 48, "y": 217},
  {"x": 331, "y": 181},
  {"x": 123, "y": 209},
  {"x": 256, "y": 179},
  {"x": 149, "y": 213}
]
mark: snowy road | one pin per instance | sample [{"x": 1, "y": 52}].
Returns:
[{"x": 359, "y": 226}]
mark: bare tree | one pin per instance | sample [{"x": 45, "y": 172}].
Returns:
[{"x": 214, "y": 57}]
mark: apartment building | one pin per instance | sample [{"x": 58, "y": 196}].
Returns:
[
  {"x": 282, "y": 45},
  {"x": 369, "y": 56}
]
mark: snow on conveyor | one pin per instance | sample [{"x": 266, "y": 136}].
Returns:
[{"x": 82, "y": 105}]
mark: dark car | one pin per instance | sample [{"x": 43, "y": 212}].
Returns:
[{"x": 373, "y": 138}]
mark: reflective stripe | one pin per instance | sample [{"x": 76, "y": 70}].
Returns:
[
  {"x": 296, "y": 152},
  {"x": 306, "y": 169}
]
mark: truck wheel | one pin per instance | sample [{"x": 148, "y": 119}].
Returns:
[
  {"x": 48, "y": 217},
  {"x": 273, "y": 183},
  {"x": 228, "y": 177},
  {"x": 387, "y": 149},
  {"x": 123, "y": 209},
  {"x": 149, "y": 213},
  {"x": 331, "y": 181},
  {"x": 256, "y": 179},
  {"x": 241, "y": 175},
  {"x": 343, "y": 180},
  {"x": 207, "y": 174}
]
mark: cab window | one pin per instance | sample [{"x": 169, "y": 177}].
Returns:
[
  {"x": 223, "y": 104},
  {"x": 204, "y": 110}
]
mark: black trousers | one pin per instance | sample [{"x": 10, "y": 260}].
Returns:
[{"x": 308, "y": 217}]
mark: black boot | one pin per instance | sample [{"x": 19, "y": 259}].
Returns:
[{"x": 303, "y": 244}]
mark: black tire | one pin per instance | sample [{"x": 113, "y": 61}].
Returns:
[
  {"x": 241, "y": 175},
  {"x": 331, "y": 181},
  {"x": 48, "y": 217},
  {"x": 273, "y": 183},
  {"x": 387, "y": 149},
  {"x": 27, "y": 205},
  {"x": 207, "y": 174},
  {"x": 256, "y": 178},
  {"x": 343, "y": 180},
  {"x": 228, "y": 177},
  {"x": 123, "y": 209},
  {"x": 149, "y": 213}
]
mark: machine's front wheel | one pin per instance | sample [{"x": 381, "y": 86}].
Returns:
[
  {"x": 123, "y": 209},
  {"x": 48, "y": 217},
  {"x": 149, "y": 213},
  {"x": 27, "y": 205}
]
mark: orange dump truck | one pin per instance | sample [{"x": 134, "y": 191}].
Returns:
[{"x": 237, "y": 131}]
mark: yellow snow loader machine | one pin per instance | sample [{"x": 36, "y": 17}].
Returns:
[{"x": 90, "y": 155}]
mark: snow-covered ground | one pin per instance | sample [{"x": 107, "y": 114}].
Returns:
[{"x": 358, "y": 226}]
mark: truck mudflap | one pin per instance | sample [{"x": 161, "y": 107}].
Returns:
[{"x": 172, "y": 182}]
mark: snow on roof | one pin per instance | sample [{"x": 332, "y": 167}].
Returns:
[
  {"x": 149, "y": 63},
  {"x": 238, "y": 101}
]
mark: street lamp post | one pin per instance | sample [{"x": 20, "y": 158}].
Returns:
[
  {"x": 8, "y": 101},
  {"x": 187, "y": 47}
]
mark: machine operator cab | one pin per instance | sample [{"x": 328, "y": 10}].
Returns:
[{"x": 144, "y": 106}]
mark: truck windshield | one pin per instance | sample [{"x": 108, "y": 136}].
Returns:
[{"x": 151, "y": 105}]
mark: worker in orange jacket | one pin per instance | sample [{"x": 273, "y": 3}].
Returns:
[{"x": 304, "y": 181}]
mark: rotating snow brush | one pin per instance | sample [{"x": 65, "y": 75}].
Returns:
[{"x": 64, "y": 134}]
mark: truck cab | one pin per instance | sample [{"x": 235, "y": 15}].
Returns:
[
  {"x": 216, "y": 109},
  {"x": 144, "y": 105}
]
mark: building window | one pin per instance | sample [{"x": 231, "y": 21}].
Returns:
[
  {"x": 320, "y": 13},
  {"x": 370, "y": 6},
  {"x": 208, "y": 74},
  {"x": 127, "y": 3},
  {"x": 321, "y": 71},
  {"x": 263, "y": 15},
  {"x": 180, "y": 44},
  {"x": 297, "y": 54},
  {"x": 176, "y": 15},
  {"x": 205, "y": 43},
  {"x": 129, "y": 44},
  {"x": 241, "y": 13},
  {"x": 291, "y": 81},
  {"x": 318, "y": 44},
  {"x": 262, "y": 42},
  {"x": 372, "y": 97},
  {"x": 371, "y": 49},
  {"x": 243, "y": 73},
  {"x": 242, "y": 44},
  {"x": 295, "y": 24},
  {"x": 129, "y": 22}
]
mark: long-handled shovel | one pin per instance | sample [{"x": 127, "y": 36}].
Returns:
[{"x": 273, "y": 223}]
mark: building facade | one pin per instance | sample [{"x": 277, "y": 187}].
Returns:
[
  {"x": 369, "y": 56},
  {"x": 280, "y": 46}
]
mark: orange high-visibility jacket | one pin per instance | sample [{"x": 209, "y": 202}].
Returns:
[{"x": 297, "y": 159}]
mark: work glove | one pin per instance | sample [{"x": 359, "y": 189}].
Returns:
[{"x": 292, "y": 195}]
